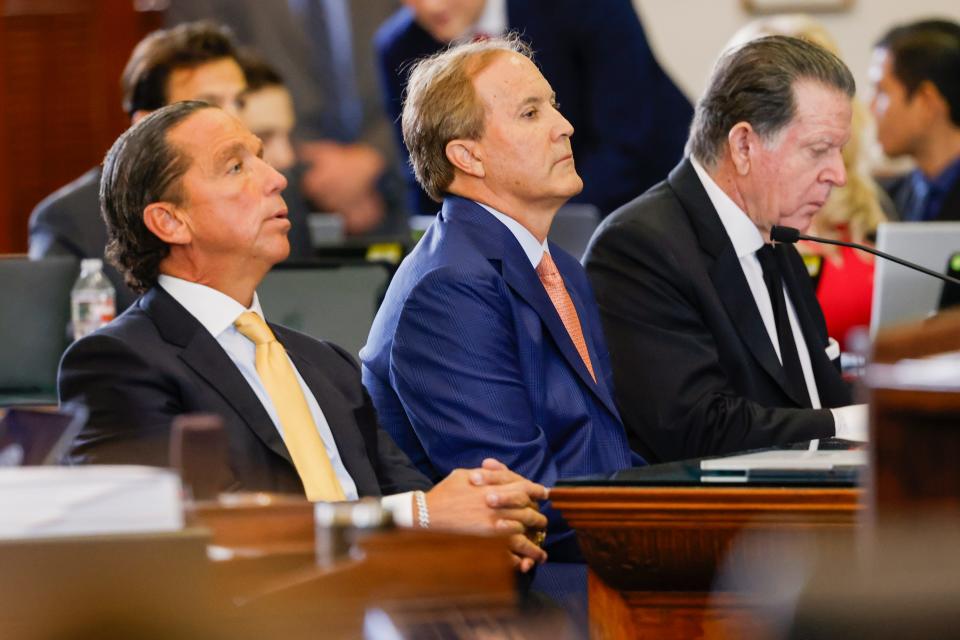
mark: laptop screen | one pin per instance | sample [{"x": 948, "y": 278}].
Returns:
[{"x": 30, "y": 437}]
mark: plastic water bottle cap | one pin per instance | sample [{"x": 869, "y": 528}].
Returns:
[{"x": 91, "y": 264}]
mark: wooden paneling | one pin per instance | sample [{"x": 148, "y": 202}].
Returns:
[
  {"x": 655, "y": 552},
  {"x": 60, "y": 64}
]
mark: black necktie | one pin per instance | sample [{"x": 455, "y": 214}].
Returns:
[{"x": 788, "y": 345}]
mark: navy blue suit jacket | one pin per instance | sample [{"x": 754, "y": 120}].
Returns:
[
  {"x": 630, "y": 121},
  {"x": 468, "y": 358}
]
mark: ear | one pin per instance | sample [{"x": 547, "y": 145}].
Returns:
[
  {"x": 932, "y": 100},
  {"x": 466, "y": 156},
  {"x": 164, "y": 221},
  {"x": 741, "y": 139}
]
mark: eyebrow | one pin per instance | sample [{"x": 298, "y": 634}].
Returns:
[
  {"x": 233, "y": 150},
  {"x": 537, "y": 100}
]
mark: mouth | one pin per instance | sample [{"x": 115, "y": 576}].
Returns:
[
  {"x": 281, "y": 214},
  {"x": 566, "y": 158}
]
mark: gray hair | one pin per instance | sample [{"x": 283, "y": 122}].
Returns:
[
  {"x": 754, "y": 83},
  {"x": 440, "y": 105}
]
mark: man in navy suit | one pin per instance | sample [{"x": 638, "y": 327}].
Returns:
[
  {"x": 630, "y": 119},
  {"x": 488, "y": 342}
]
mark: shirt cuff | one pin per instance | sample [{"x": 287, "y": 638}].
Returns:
[
  {"x": 851, "y": 422},
  {"x": 401, "y": 504}
]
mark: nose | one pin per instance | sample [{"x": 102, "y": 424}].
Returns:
[
  {"x": 275, "y": 181},
  {"x": 562, "y": 128},
  {"x": 835, "y": 173}
]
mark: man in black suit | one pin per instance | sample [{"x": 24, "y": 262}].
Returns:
[
  {"x": 196, "y": 61},
  {"x": 717, "y": 341},
  {"x": 195, "y": 219},
  {"x": 916, "y": 102}
]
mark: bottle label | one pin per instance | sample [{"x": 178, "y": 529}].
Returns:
[{"x": 91, "y": 310}]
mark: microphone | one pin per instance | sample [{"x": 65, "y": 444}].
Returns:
[{"x": 789, "y": 235}]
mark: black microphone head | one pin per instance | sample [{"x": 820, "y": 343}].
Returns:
[{"x": 784, "y": 234}]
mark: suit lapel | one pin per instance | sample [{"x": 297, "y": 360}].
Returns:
[
  {"x": 339, "y": 416},
  {"x": 497, "y": 243},
  {"x": 202, "y": 353},
  {"x": 727, "y": 274}
]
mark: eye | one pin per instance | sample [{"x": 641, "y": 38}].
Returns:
[
  {"x": 529, "y": 113},
  {"x": 235, "y": 167}
]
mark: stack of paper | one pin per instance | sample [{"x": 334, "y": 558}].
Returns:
[{"x": 53, "y": 501}]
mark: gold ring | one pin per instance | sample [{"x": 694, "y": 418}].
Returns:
[{"x": 539, "y": 537}]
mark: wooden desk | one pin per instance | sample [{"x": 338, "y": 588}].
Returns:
[{"x": 654, "y": 551}]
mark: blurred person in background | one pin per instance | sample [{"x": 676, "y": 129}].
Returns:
[
  {"x": 268, "y": 113},
  {"x": 323, "y": 51},
  {"x": 843, "y": 276},
  {"x": 630, "y": 120},
  {"x": 916, "y": 78}
]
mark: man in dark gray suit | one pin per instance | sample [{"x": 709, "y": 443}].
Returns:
[{"x": 717, "y": 340}]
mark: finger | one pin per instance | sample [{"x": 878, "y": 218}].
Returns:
[
  {"x": 493, "y": 476},
  {"x": 493, "y": 464},
  {"x": 528, "y": 518},
  {"x": 506, "y": 525},
  {"x": 514, "y": 495},
  {"x": 522, "y": 547}
]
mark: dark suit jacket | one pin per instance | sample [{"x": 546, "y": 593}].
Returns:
[
  {"x": 156, "y": 362},
  {"x": 468, "y": 358},
  {"x": 68, "y": 223},
  {"x": 696, "y": 373},
  {"x": 901, "y": 191},
  {"x": 630, "y": 120}
]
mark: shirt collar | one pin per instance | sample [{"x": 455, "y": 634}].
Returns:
[
  {"x": 530, "y": 245},
  {"x": 493, "y": 20},
  {"x": 942, "y": 182},
  {"x": 743, "y": 232},
  {"x": 215, "y": 310}
]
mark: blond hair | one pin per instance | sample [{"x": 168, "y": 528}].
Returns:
[{"x": 440, "y": 105}]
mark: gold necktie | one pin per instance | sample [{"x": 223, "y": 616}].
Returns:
[{"x": 299, "y": 430}]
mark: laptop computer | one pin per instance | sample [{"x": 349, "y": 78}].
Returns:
[
  {"x": 32, "y": 437},
  {"x": 901, "y": 294},
  {"x": 33, "y": 324},
  {"x": 950, "y": 296}
]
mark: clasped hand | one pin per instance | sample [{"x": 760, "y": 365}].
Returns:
[{"x": 492, "y": 498}]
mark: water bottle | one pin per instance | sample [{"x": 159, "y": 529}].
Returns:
[{"x": 92, "y": 300}]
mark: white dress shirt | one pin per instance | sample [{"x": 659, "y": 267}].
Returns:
[
  {"x": 217, "y": 312},
  {"x": 528, "y": 242},
  {"x": 850, "y": 422}
]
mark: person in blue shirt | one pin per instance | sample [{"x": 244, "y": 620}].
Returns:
[{"x": 916, "y": 78}]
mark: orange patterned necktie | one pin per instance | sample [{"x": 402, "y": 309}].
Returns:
[{"x": 553, "y": 283}]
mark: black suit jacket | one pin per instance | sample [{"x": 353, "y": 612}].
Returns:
[
  {"x": 156, "y": 361},
  {"x": 694, "y": 368},
  {"x": 901, "y": 191}
]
